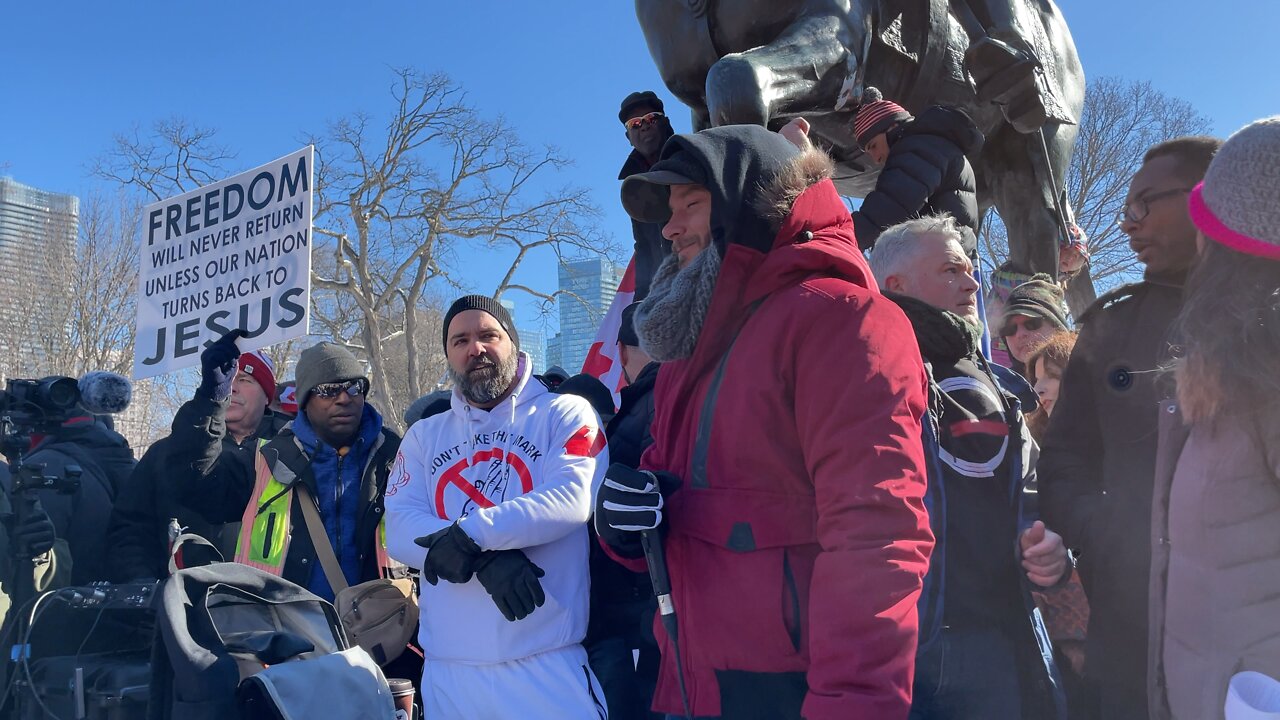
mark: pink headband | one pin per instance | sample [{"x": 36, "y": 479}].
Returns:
[{"x": 1214, "y": 229}]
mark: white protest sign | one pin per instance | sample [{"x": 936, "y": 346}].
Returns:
[{"x": 232, "y": 254}]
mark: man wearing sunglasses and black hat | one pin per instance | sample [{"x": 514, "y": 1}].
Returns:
[
  {"x": 647, "y": 128},
  {"x": 337, "y": 448}
]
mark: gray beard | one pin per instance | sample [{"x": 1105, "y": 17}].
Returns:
[
  {"x": 487, "y": 386},
  {"x": 670, "y": 318}
]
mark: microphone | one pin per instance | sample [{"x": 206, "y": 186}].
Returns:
[
  {"x": 651, "y": 541},
  {"x": 105, "y": 393}
]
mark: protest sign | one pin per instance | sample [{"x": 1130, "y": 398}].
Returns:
[{"x": 232, "y": 254}]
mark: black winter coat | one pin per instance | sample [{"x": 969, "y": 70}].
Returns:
[
  {"x": 105, "y": 461},
  {"x": 628, "y": 431},
  {"x": 139, "y": 523},
  {"x": 927, "y": 173},
  {"x": 622, "y": 601},
  {"x": 1097, "y": 475}
]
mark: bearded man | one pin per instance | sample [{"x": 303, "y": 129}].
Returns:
[{"x": 492, "y": 497}]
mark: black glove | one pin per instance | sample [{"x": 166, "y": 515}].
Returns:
[
  {"x": 451, "y": 555},
  {"x": 629, "y": 502},
  {"x": 218, "y": 366},
  {"x": 511, "y": 579},
  {"x": 33, "y": 537}
]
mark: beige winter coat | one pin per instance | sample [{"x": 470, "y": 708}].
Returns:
[{"x": 1215, "y": 571}]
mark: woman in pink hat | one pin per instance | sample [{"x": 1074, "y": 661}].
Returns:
[{"x": 1215, "y": 575}]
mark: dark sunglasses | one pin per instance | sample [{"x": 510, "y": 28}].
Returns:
[
  {"x": 1032, "y": 324},
  {"x": 636, "y": 123},
  {"x": 329, "y": 391}
]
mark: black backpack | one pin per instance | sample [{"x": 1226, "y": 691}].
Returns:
[{"x": 224, "y": 622}]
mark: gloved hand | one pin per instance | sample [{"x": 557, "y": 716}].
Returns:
[
  {"x": 629, "y": 502},
  {"x": 218, "y": 366},
  {"x": 511, "y": 579},
  {"x": 451, "y": 555},
  {"x": 35, "y": 536}
]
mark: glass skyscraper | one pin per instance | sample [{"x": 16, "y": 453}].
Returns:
[
  {"x": 592, "y": 285},
  {"x": 37, "y": 235}
]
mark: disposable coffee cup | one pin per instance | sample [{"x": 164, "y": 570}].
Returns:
[
  {"x": 1252, "y": 696},
  {"x": 402, "y": 696}
]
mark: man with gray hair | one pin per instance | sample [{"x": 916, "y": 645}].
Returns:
[{"x": 979, "y": 653}]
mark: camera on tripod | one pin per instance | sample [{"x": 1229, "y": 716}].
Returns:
[
  {"x": 34, "y": 406},
  {"x": 27, "y": 408}
]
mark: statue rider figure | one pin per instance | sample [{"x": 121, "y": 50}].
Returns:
[{"x": 1001, "y": 61}]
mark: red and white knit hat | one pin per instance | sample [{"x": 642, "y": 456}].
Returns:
[
  {"x": 261, "y": 369},
  {"x": 876, "y": 116},
  {"x": 1236, "y": 204}
]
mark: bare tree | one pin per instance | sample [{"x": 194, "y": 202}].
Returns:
[
  {"x": 399, "y": 201},
  {"x": 396, "y": 204},
  {"x": 1121, "y": 119},
  {"x": 173, "y": 157}
]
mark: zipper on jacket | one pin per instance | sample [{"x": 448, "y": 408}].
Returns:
[
  {"x": 266, "y": 536},
  {"x": 337, "y": 503}
]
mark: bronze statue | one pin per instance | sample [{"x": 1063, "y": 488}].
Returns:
[{"x": 768, "y": 61}]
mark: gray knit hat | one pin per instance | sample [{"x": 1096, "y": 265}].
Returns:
[
  {"x": 1236, "y": 204},
  {"x": 1038, "y": 297},
  {"x": 323, "y": 363}
]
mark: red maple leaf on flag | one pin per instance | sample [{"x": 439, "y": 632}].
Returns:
[{"x": 597, "y": 363}]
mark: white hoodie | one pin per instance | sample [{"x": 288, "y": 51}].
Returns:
[{"x": 519, "y": 476}]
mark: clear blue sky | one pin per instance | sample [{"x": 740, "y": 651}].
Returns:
[{"x": 265, "y": 73}]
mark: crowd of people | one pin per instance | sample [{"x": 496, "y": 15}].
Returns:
[{"x": 859, "y": 513}]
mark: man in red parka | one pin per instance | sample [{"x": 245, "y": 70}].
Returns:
[{"x": 786, "y": 441}]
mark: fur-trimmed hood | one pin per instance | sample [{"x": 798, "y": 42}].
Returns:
[
  {"x": 779, "y": 196},
  {"x": 812, "y": 231}
]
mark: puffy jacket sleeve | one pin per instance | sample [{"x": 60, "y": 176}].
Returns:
[
  {"x": 1070, "y": 467},
  {"x": 861, "y": 437},
  {"x": 561, "y": 499},
  {"x": 909, "y": 177},
  {"x": 410, "y": 512},
  {"x": 211, "y": 482}
]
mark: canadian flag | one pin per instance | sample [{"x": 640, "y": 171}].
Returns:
[{"x": 602, "y": 359}]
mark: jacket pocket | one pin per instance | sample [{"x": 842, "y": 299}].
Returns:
[{"x": 790, "y": 602}]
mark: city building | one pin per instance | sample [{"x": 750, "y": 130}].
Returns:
[
  {"x": 38, "y": 232},
  {"x": 587, "y": 288},
  {"x": 534, "y": 344}
]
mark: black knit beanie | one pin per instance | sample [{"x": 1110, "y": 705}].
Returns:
[
  {"x": 627, "y": 331},
  {"x": 487, "y": 304},
  {"x": 1038, "y": 297}
]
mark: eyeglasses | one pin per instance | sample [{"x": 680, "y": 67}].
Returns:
[
  {"x": 1138, "y": 208},
  {"x": 636, "y": 123},
  {"x": 1032, "y": 324},
  {"x": 329, "y": 391}
]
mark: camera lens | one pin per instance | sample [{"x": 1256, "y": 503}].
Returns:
[{"x": 60, "y": 392}]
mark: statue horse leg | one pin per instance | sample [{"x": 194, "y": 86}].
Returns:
[
  {"x": 803, "y": 68},
  {"x": 1013, "y": 166}
]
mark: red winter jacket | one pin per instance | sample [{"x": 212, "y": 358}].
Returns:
[{"x": 802, "y": 546}]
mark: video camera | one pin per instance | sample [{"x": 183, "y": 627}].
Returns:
[{"x": 34, "y": 406}]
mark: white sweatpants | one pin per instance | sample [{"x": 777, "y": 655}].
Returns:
[{"x": 554, "y": 685}]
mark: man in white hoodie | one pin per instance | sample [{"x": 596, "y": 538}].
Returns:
[{"x": 493, "y": 498}]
